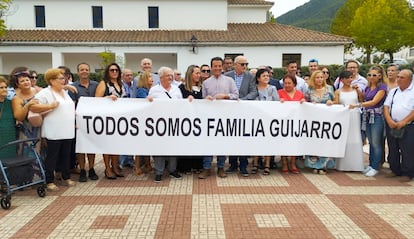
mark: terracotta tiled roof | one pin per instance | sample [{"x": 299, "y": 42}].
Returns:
[
  {"x": 249, "y": 2},
  {"x": 265, "y": 33}
]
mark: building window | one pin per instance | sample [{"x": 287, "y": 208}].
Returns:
[
  {"x": 411, "y": 51},
  {"x": 97, "y": 19},
  {"x": 291, "y": 57},
  {"x": 153, "y": 18},
  {"x": 40, "y": 16}
]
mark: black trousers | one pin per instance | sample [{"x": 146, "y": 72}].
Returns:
[
  {"x": 401, "y": 152},
  {"x": 58, "y": 152}
]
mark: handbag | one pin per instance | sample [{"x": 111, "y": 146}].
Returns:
[
  {"x": 397, "y": 133},
  {"x": 36, "y": 119}
]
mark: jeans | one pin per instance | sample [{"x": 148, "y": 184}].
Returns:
[
  {"x": 208, "y": 159},
  {"x": 375, "y": 134},
  {"x": 233, "y": 162},
  {"x": 159, "y": 164},
  {"x": 126, "y": 160}
]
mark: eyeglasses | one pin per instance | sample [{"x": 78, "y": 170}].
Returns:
[
  {"x": 244, "y": 64},
  {"x": 205, "y": 71},
  {"x": 33, "y": 77},
  {"x": 113, "y": 70},
  {"x": 60, "y": 78},
  {"x": 325, "y": 72},
  {"x": 373, "y": 75}
]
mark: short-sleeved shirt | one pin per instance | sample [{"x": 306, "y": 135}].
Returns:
[
  {"x": 296, "y": 97},
  {"x": 160, "y": 92},
  {"x": 83, "y": 91},
  {"x": 370, "y": 94},
  {"x": 401, "y": 103}
]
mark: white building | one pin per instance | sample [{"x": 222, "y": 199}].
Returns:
[{"x": 50, "y": 33}]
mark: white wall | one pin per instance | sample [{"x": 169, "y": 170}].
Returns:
[
  {"x": 120, "y": 14},
  {"x": 244, "y": 14},
  {"x": 179, "y": 57}
]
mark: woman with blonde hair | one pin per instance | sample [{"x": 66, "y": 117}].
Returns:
[
  {"x": 144, "y": 84},
  {"x": 373, "y": 117},
  {"x": 58, "y": 126},
  {"x": 319, "y": 92}
]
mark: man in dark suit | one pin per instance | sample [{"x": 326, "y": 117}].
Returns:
[{"x": 246, "y": 84}]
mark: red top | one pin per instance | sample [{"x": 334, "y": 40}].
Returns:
[{"x": 296, "y": 97}]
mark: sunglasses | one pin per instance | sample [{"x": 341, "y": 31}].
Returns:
[
  {"x": 325, "y": 72},
  {"x": 244, "y": 64},
  {"x": 205, "y": 71},
  {"x": 33, "y": 77},
  {"x": 113, "y": 70},
  {"x": 373, "y": 75}
]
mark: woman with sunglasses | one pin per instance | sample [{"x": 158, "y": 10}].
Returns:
[
  {"x": 22, "y": 101},
  {"x": 372, "y": 117},
  {"x": 33, "y": 79},
  {"x": 327, "y": 75},
  {"x": 111, "y": 86}
]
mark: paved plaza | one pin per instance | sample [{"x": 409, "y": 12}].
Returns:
[{"x": 336, "y": 205}]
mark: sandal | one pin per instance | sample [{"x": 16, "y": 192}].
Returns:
[
  {"x": 138, "y": 171},
  {"x": 266, "y": 171},
  {"x": 319, "y": 171},
  {"x": 254, "y": 170},
  {"x": 294, "y": 171}
]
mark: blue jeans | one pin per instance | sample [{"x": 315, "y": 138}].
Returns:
[
  {"x": 208, "y": 159},
  {"x": 375, "y": 134},
  {"x": 126, "y": 160},
  {"x": 243, "y": 162}
]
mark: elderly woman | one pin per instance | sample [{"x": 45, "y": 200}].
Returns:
[
  {"x": 7, "y": 129},
  {"x": 322, "y": 93},
  {"x": 111, "y": 86},
  {"x": 290, "y": 93},
  {"x": 266, "y": 92},
  {"x": 22, "y": 101},
  {"x": 58, "y": 126}
]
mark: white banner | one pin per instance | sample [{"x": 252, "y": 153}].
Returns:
[{"x": 203, "y": 127}]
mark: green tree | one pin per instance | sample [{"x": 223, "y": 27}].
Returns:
[
  {"x": 343, "y": 18},
  {"x": 4, "y": 7},
  {"x": 382, "y": 25}
]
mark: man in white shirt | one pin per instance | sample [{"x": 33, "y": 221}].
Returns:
[
  {"x": 291, "y": 69},
  {"x": 165, "y": 90}
]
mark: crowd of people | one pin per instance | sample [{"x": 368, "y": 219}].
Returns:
[{"x": 381, "y": 105}]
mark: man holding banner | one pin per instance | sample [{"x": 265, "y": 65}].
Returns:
[
  {"x": 219, "y": 87},
  {"x": 165, "y": 90}
]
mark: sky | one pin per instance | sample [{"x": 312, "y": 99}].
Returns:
[{"x": 283, "y": 6}]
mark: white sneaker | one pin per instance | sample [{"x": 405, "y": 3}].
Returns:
[
  {"x": 367, "y": 169},
  {"x": 371, "y": 173}
]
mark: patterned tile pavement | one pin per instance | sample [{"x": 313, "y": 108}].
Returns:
[{"x": 336, "y": 205}]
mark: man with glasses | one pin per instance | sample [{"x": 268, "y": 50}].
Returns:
[
  {"x": 205, "y": 72},
  {"x": 86, "y": 88},
  {"x": 177, "y": 78},
  {"x": 358, "y": 82},
  {"x": 246, "y": 85}
]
